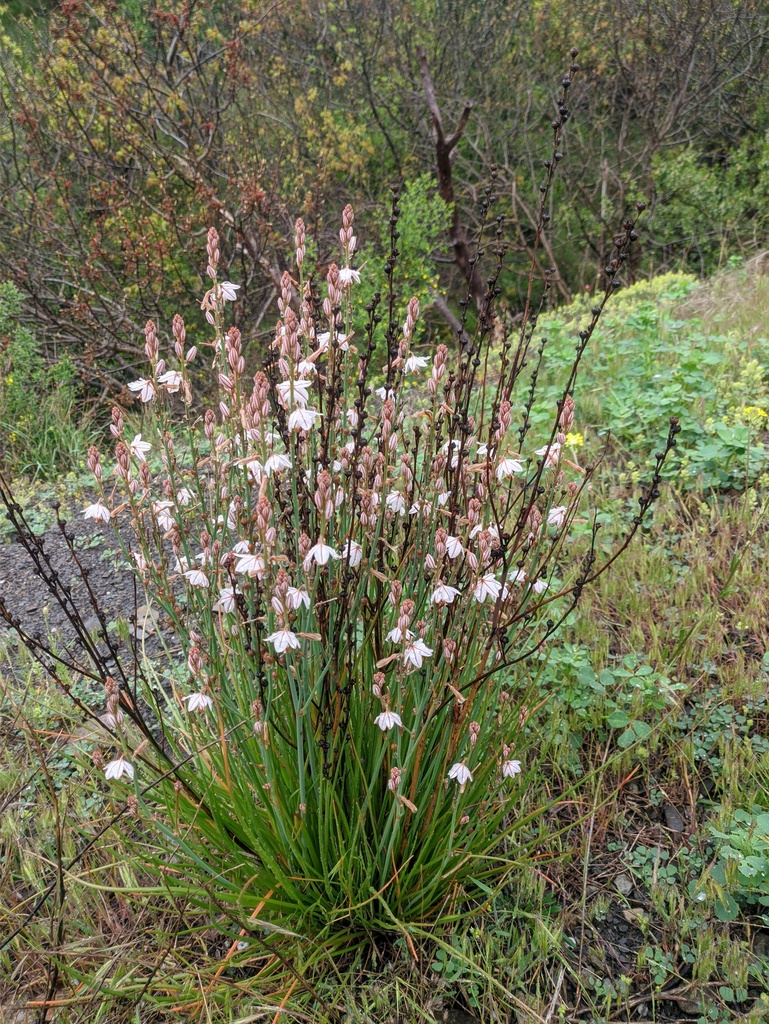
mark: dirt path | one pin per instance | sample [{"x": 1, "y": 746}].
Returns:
[{"x": 28, "y": 598}]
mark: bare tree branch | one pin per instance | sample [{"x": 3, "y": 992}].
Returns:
[{"x": 443, "y": 150}]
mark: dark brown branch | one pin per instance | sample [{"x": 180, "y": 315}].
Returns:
[
  {"x": 453, "y": 321},
  {"x": 443, "y": 149}
]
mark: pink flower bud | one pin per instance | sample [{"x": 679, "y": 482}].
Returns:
[
  {"x": 151, "y": 341},
  {"x": 94, "y": 463},
  {"x": 566, "y": 418},
  {"x": 116, "y": 427}
]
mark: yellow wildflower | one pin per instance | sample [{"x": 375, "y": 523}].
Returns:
[{"x": 574, "y": 440}]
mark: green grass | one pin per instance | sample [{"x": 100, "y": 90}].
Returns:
[{"x": 652, "y": 701}]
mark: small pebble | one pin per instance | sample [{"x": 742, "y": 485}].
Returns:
[
  {"x": 624, "y": 884},
  {"x": 673, "y": 819}
]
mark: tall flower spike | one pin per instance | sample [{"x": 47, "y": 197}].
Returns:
[
  {"x": 334, "y": 292},
  {"x": 412, "y": 316},
  {"x": 284, "y": 301},
  {"x": 439, "y": 369},
  {"x": 232, "y": 348},
  {"x": 322, "y": 498},
  {"x": 505, "y": 417}
]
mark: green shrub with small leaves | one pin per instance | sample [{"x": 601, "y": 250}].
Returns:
[
  {"x": 43, "y": 426},
  {"x": 649, "y": 364}
]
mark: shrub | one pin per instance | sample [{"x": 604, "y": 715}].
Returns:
[
  {"x": 43, "y": 430},
  {"x": 648, "y": 364}
]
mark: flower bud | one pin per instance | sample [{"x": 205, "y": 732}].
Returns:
[
  {"x": 123, "y": 460},
  {"x": 151, "y": 342},
  {"x": 212, "y": 249},
  {"x": 209, "y": 424},
  {"x": 299, "y": 241},
  {"x": 116, "y": 427},
  {"x": 94, "y": 462},
  {"x": 566, "y": 419},
  {"x": 440, "y": 542}
]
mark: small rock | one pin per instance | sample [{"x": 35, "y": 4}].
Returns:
[
  {"x": 633, "y": 915},
  {"x": 690, "y": 1006},
  {"x": 624, "y": 884},
  {"x": 673, "y": 819},
  {"x": 144, "y": 622}
]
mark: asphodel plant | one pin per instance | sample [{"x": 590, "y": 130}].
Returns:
[
  {"x": 346, "y": 569},
  {"x": 349, "y": 576}
]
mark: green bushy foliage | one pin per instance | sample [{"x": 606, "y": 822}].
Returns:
[
  {"x": 712, "y": 205},
  {"x": 421, "y": 228},
  {"x": 42, "y": 423},
  {"x": 649, "y": 364}
]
